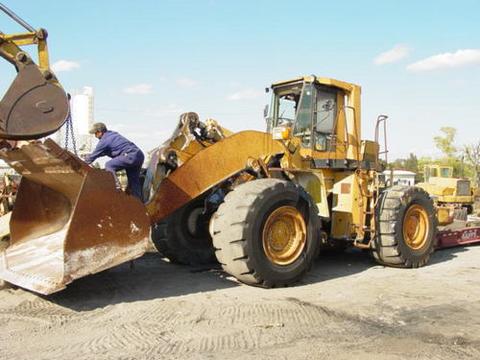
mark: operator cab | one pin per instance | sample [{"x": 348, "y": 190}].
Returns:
[
  {"x": 308, "y": 109},
  {"x": 321, "y": 118},
  {"x": 437, "y": 171}
]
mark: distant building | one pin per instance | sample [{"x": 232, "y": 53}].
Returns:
[
  {"x": 81, "y": 107},
  {"x": 400, "y": 177}
]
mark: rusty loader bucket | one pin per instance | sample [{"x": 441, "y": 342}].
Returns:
[{"x": 69, "y": 220}]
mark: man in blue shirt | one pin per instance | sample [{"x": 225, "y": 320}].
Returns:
[{"x": 125, "y": 155}]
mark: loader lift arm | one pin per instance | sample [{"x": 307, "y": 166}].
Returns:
[{"x": 35, "y": 105}]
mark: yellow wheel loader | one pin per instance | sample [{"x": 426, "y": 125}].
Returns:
[
  {"x": 272, "y": 200},
  {"x": 261, "y": 203}
]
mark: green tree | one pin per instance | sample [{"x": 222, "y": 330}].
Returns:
[
  {"x": 411, "y": 164},
  {"x": 446, "y": 143},
  {"x": 472, "y": 159},
  {"x": 451, "y": 156}
]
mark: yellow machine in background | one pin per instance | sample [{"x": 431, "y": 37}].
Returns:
[{"x": 453, "y": 196}]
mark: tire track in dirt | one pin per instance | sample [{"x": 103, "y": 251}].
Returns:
[
  {"x": 47, "y": 315},
  {"x": 194, "y": 329},
  {"x": 271, "y": 313},
  {"x": 37, "y": 308},
  {"x": 239, "y": 323},
  {"x": 238, "y": 340},
  {"x": 220, "y": 328},
  {"x": 205, "y": 330},
  {"x": 40, "y": 312}
]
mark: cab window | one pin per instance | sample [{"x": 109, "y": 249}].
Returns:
[
  {"x": 445, "y": 172},
  {"x": 287, "y": 107},
  {"x": 326, "y": 113},
  {"x": 284, "y": 105},
  {"x": 303, "y": 124}
]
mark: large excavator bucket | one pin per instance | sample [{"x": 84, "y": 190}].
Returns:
[
  {"x": 69, "y": 220},
  {"x": 33, "y": 106}
]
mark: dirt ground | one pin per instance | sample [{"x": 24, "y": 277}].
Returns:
[{"x": 346, "y": 308}]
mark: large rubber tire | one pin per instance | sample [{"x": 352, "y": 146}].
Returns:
[
  {"x": 183, "y": 237},
  {"x": 390, "y": 246},
  {"x": 237, "y": 229}
]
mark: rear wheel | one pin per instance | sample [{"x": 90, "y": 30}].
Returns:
[
  {"x": 266, "y": 233},
  {"x": 406, "y": 227},
  {"x": 183, "y": 237}
]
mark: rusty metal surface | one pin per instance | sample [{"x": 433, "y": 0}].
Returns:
[
  {"x": 32, "y": 107},
  {"x": 179, "y": 148},
  {"x": 209, "y": 167},
  {"x": 68, "y": 221}
]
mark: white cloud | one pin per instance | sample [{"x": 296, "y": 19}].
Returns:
[
  {"x": 138, "y": 89},
  {"x": 247, "y": 94},
  {"x": 397, "y": 53},
  {"x": 459, "y": 58},
  {"x": 64, "y": 65},
  {"x": 186, "y": 82}
]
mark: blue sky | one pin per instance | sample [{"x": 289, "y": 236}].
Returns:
[{"x": 148, "y": 61}]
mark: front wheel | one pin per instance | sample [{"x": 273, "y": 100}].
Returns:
[
  {"x": 406, "y": 227},
  {"x": 266, "y": 233}
]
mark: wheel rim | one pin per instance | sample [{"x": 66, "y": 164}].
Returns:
[
  {"x": 284, "y": 235},
  {"x": 415, "y": 227}
]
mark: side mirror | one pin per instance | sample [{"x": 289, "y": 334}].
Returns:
[{"x": 265, "y": 111}]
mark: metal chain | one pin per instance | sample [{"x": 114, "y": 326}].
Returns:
[
  {"x": 74, "y": 140},
  {"x": 69, "y": 131}
]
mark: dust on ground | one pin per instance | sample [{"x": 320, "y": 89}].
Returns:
[{"x": 348, "y": 307}]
